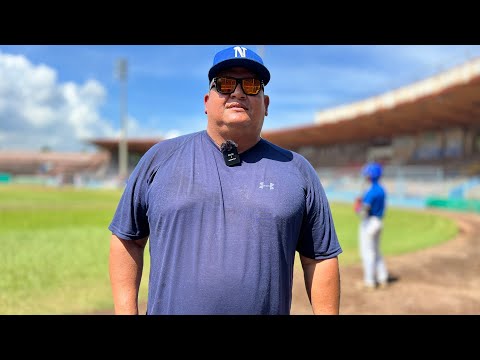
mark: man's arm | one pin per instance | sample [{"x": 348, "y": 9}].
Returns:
[
  {"x": 125, "y": 267},
  {"x": 364, "y": 211},
  {"x": 322, "y": 281}
]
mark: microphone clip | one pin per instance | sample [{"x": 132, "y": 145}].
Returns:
[{"x": 230, "y": 153}]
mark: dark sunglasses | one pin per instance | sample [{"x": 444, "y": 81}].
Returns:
[{"x": 227, "y": 85}]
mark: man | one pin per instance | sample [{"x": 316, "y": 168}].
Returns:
[
  {"x": 225, "y": 211},
  {"x": 372, "y": 211}
]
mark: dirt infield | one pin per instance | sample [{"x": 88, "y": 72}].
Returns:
[{"x": 442, "y": 280}]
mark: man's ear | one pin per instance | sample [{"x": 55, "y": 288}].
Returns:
[{"x": 205, "y": 100}]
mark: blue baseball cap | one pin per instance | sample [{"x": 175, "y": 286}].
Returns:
[
  {"x": 372, "y": 170},
  {"x": 239, "y": 56}
]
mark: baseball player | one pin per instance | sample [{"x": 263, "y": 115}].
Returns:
[{"x": 372, "y": 211}]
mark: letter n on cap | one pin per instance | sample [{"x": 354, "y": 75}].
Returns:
[{"x": 240, "y": 51}]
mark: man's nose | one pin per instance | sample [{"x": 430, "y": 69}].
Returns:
[{"x": 238, "y": 92}]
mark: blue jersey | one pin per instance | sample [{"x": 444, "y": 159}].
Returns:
[
  {"x": 375, "y": 198},
  {"x": 222, "y": 239}
]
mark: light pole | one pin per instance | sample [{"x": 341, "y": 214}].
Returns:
[{"x": 123, "y": 145}]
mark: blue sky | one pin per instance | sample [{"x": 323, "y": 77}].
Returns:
[{"x": 59, "y": 96}]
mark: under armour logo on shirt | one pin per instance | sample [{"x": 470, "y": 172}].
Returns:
[
  {"x": 240, "y": 51},
  {"x": 262, "y": 185}
]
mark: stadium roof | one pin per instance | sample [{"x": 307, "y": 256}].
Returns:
[{"x": 449, "y": 99}]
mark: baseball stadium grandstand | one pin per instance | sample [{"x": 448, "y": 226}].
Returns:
[
  {"x": 53, "y": 168},
  {"x": 426, "y": 134}
]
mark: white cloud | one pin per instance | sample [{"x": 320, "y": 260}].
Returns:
[
  {"x": 36, "y": 110},
  {"x": 172, "y": 134}
]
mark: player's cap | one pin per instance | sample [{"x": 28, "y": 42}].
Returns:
[
  {"x": 242, "y": 57},
  {"x": 372, "y": 170}
]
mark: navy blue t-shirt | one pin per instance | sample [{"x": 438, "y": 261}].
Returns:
[{"x": 222, "y": 239}]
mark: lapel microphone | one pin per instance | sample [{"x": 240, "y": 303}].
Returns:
[{"x": 230, "y": 153}]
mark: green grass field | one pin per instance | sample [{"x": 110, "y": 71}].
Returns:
[{"x": 55, "y": 245}]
